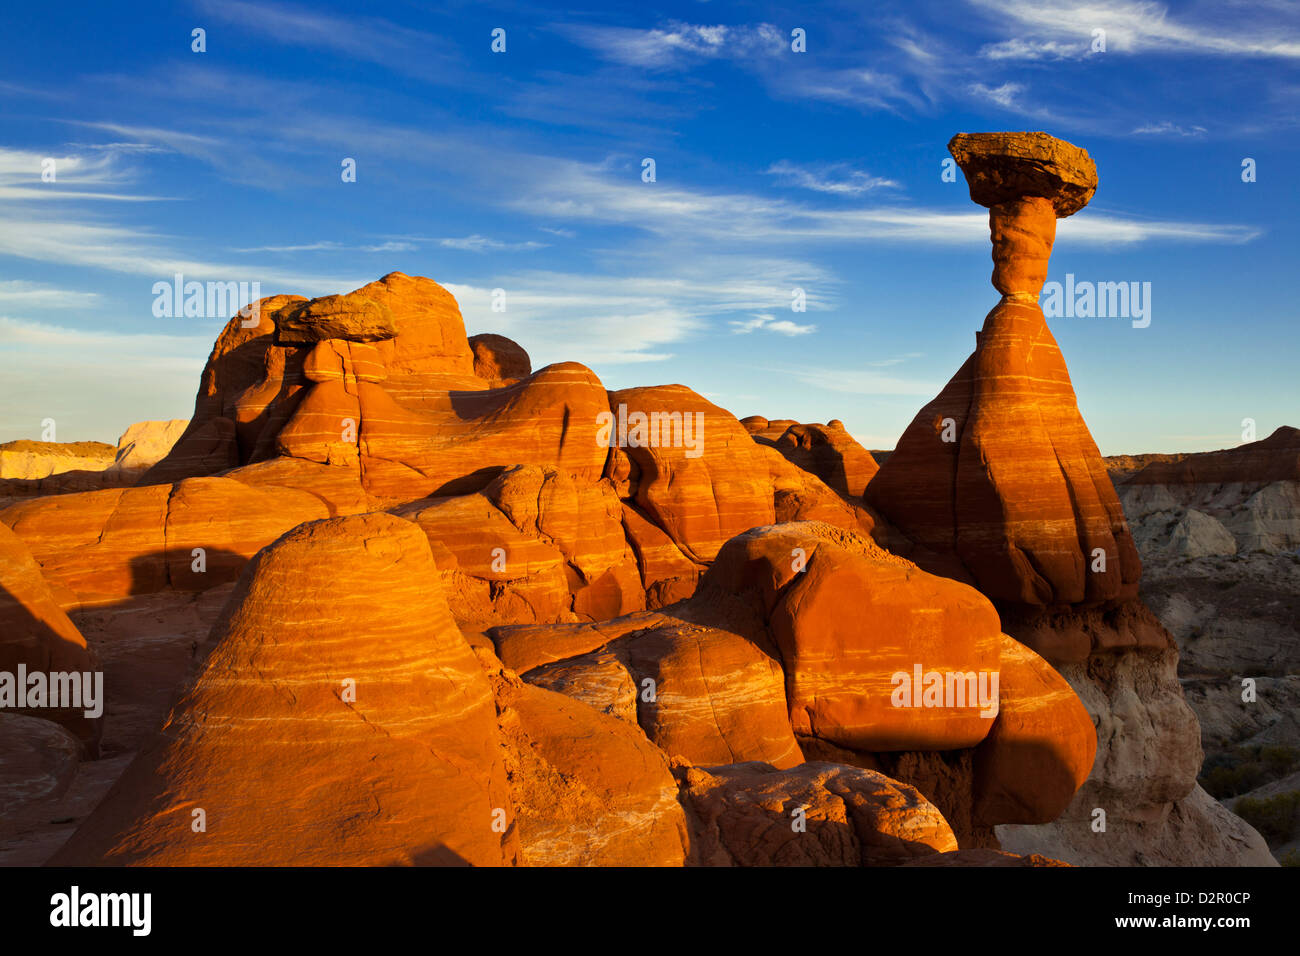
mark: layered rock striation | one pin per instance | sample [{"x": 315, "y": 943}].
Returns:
[{"x": 999, "y": 478}]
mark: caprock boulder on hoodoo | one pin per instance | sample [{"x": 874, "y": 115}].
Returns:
[{"x": 1000, "y": 475}]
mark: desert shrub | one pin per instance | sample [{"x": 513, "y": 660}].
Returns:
[
  {"x": 1228, "y": 781},
  {"x": 1279, "y": 761},
  {"x": 1229, "y": 774},
  {"x": 1275, "y": 817}
]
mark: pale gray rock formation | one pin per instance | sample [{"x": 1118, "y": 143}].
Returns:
[
  {"x": 1143, "y": 778},
  {"x": 1199, "y": 520},
  {"x": 1227, "y": 720},
  {"x": 1194, "y": 831},
  {"x": 144, "y": 444}
]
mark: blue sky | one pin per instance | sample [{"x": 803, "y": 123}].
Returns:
[{"x": 774, "y": 170}]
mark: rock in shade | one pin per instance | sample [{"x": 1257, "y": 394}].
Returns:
[
  {"x": 831, "y": 454},
  {"x": 36, "y": 634},
  {"x": 1040, "y": 748},
  {"x": 38, "y": 760}
]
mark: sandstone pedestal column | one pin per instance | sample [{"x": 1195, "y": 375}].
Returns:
[
  {"x": 1000, "y": 470},
  {"x": 1000, "y": 473}
]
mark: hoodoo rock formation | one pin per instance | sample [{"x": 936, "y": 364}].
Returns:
[
  {"x": 1000, "y": 474},
  {"x": 425, "y": 605},
  {"x": 827, "y": 451},
  {"x": 1000, "y": 469}
]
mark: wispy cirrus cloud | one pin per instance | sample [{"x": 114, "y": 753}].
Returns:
[
  {"x": 854, "y": 86},
  {"x": 17, "y": 294},
  {"x": 331, "y": 246},
  {"x": 30, "y": 175},
  {"x": 856, "y": 381},
  {"x": 1058, "y": 29},
  {"x": 601, "y": 193},
  {"x": 835, "y": 178},
  {"x": 68, "y": 241},
  {"x": 1017, "y": 48},
  {"x": 1166, "y": 128},
  {"x": 636, "y": 317},
  {"x": 371, "y": 39},
  {"x": 1004, "y": 95},
  {"x": 770, "y": 323},
  {"x": 477, "y": 243},
  {"x": 676, "y": 45}
]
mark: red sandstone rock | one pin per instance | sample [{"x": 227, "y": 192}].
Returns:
[
  {"x": 845, "y": 618},
  {"x": 104, "y": 545},
  {"x": 764, "y": 431},
  {"x": 37, "y": 634},
  {"x": 698, "y": 474},
  {"x": 999, "y": 475},
  {"x": 848, "y": 617},
  {"x": 1041, "y": 746},
  {"x": 588, "y": 789},
  {"x": 831, "y": 454},
  {"x": 352, "y": 317},
  {"x": 1005, "y": 167},
  {"x": 338, "y": 487},
  {"x": 381, "y": 381},
  {"x": 704, "y": 692},
  {"x": 535, "y": 545},
  {"x": 499, "y": 360},
  {"x": 287, "y": 766},
  {"x": 667, "y": 575},
  {"x": 404, "y": 331},
  {"x": 750, "y": 814},
  {"x": 1275, "y": 458},
  {"x": 98, "y": 545},
  {"x": 1000, "y": 469},
  {"x": 375, "y": 400}
]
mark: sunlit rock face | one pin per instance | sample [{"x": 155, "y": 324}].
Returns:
[
  {"x": 442, "y": 608},
  {"x": 1000, "y": 475},
  {"x": 1000, "y": 469}
]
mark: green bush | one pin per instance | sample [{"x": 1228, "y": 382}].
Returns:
[
  {"x": 1230, "y": 774},
  {"x": 1279, "y": 761},
  {"x": 1223, "y": 782},
  {"x": 1276, "y": 817}
]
